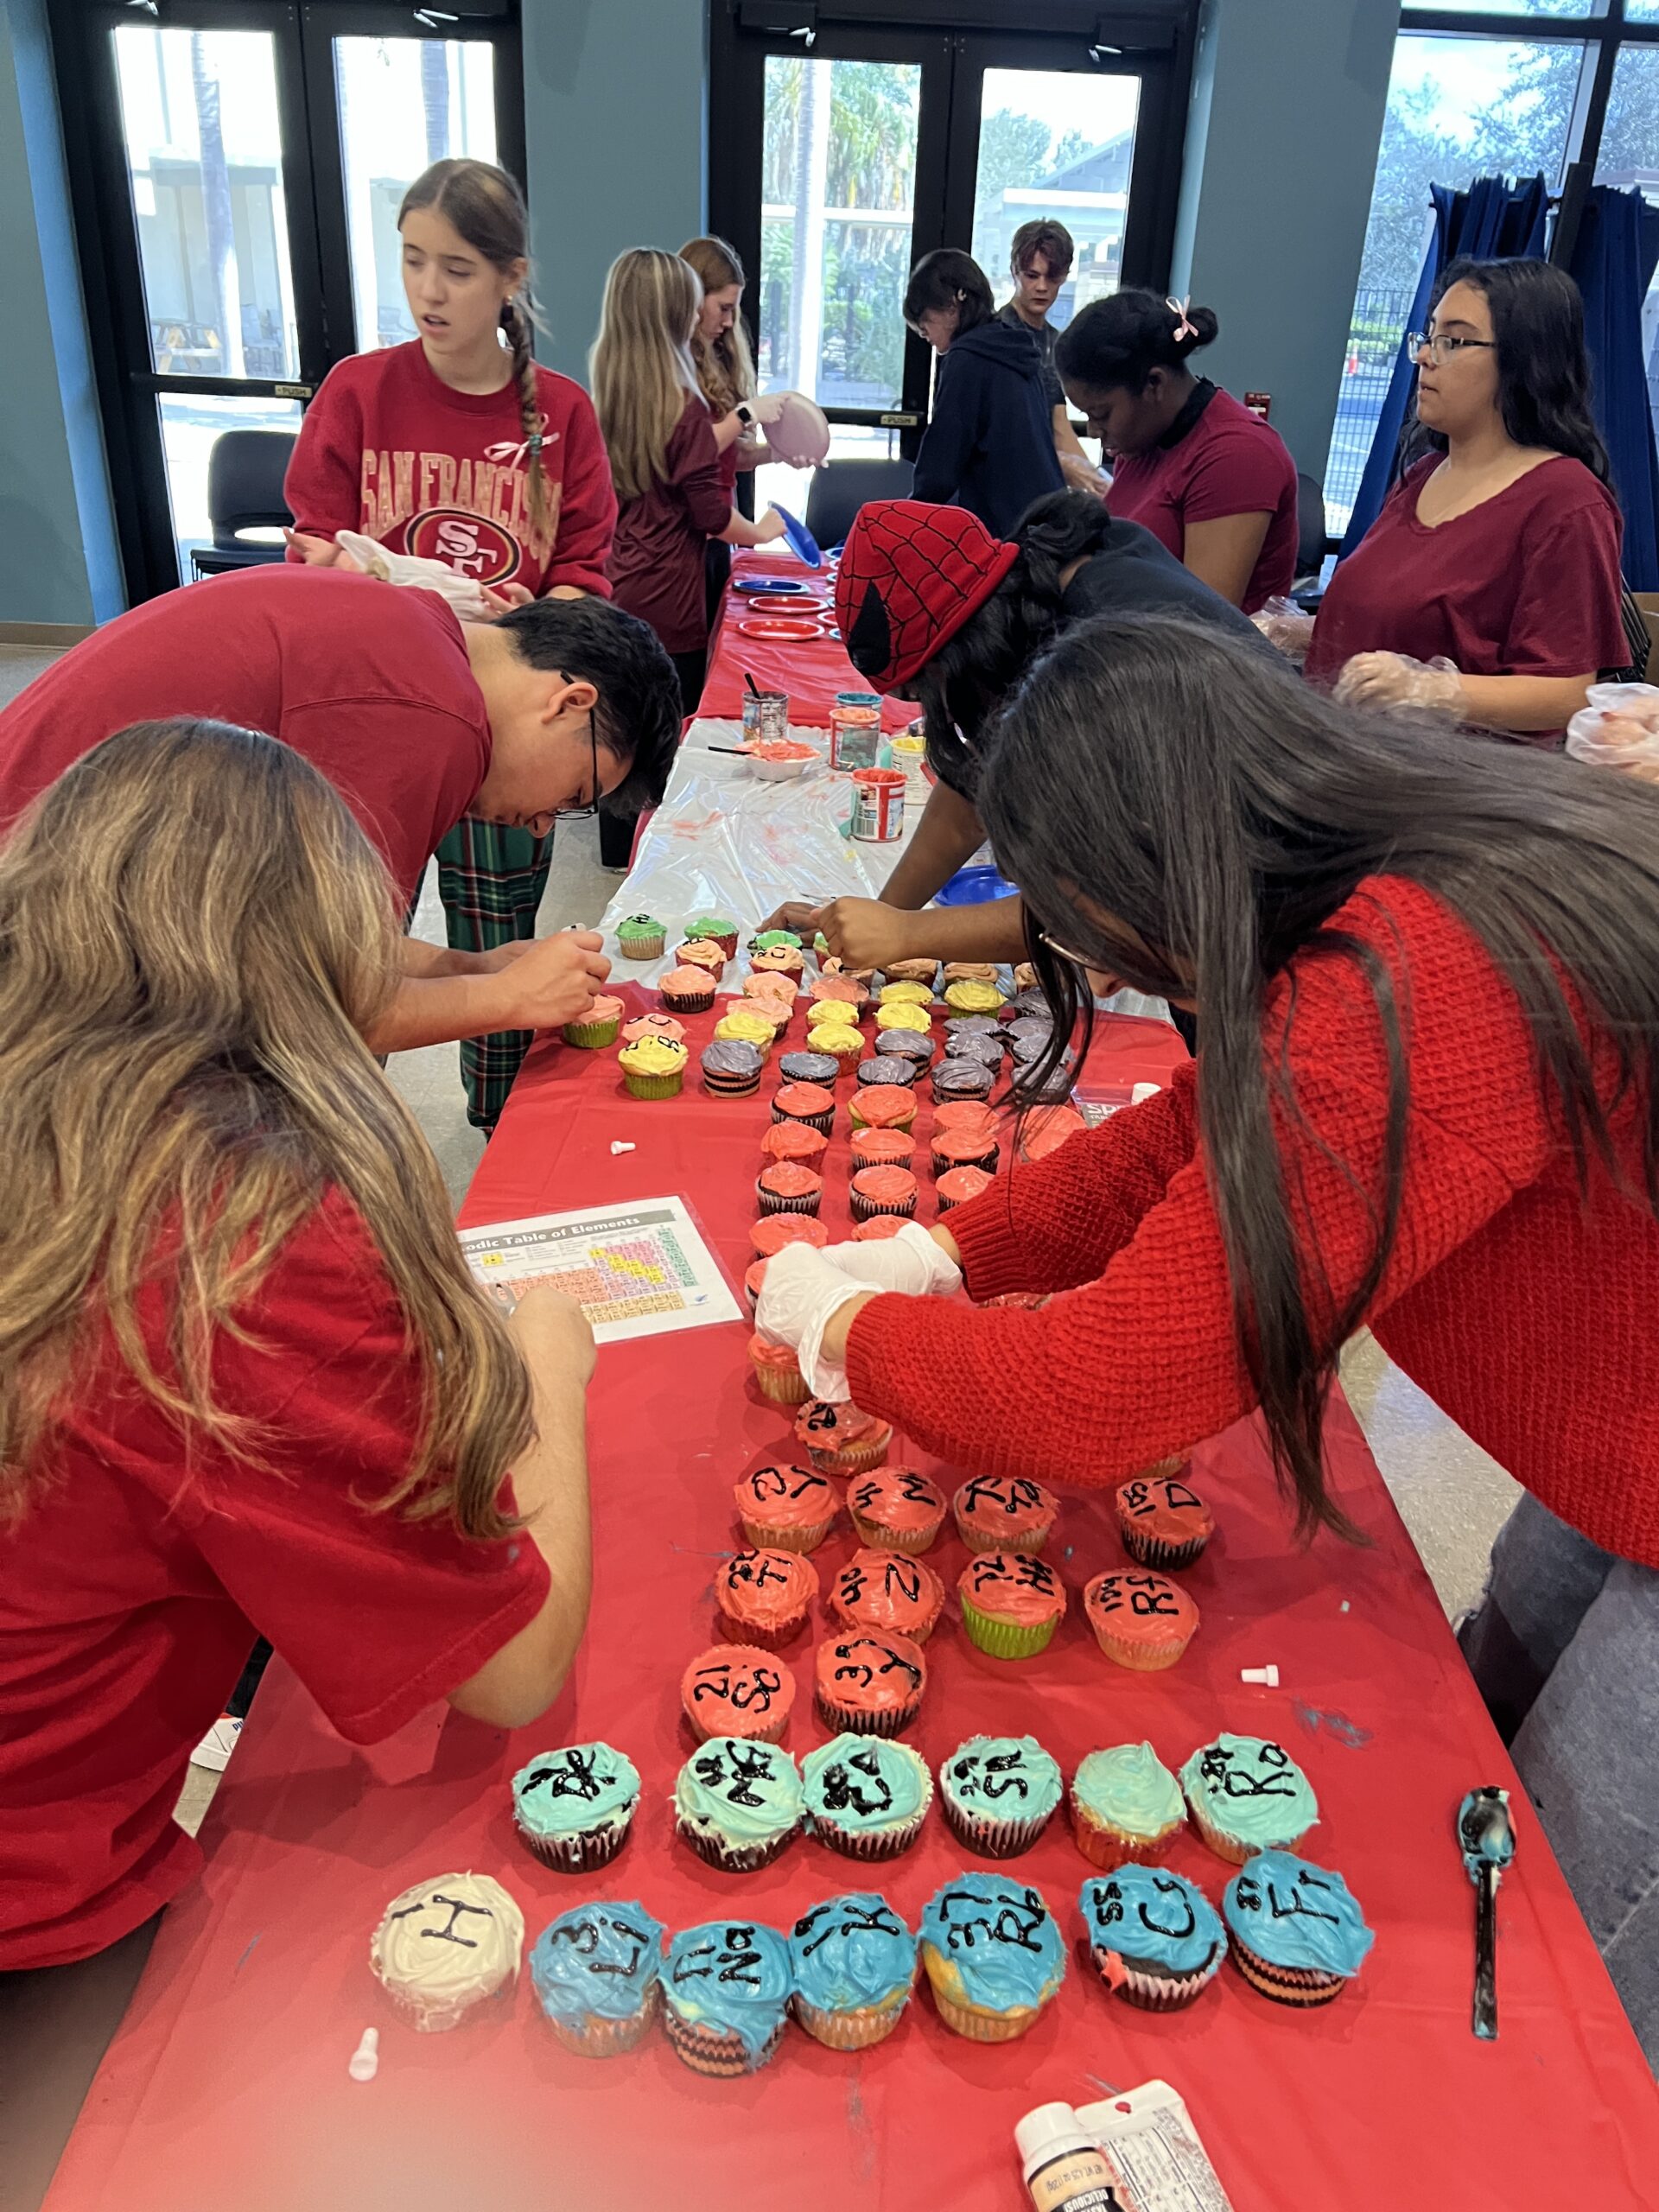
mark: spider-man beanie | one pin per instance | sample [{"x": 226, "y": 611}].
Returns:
[{"x": 911, "y": 575}]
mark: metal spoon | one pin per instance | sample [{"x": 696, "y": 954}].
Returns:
[{"x": 1486, "y": 1836}]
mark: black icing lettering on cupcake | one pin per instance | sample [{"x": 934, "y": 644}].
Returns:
[
  {"x": 1147, "y": 1596},
  {"x": 857, "y": 1785},
  {"x": 821, "y": 1419},
  {"x": 447, "y": 1933},
  {"x": 902, "y": 1581},
  {"x": 1015, "y": 1498},
  {"x": 883, "y": 1660},
  {"x": 1275, "y": 1777},
  {"x": 851, "y": 1587},
  {"x": 1248, "y": 1896},
  {"x": 1138, "y": 1498},
  {"x": 756, "y": 1568},
  {"x": 730, "y": 1960},
  {"x": 913, "y": 1486},
  {"x": 570, "y": 1774},
  {"x": 583, "y": 1937},
  {"x": 1172, "y": 1915},
  {"x": 1017, "y": 1919},
  {"x": 745, "y": 1688},
  {"x": 738, "y": 1767},
  {"x": 1011, "y": 1571},
  {"x": 840, "y": 1916},
  {"x": 1003, "y": 1773}
]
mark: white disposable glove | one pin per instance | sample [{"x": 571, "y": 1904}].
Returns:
[
  {"x": 467, "y": 599},
  {"x": 800, "y": 1296},
  {"x": 1282, "y": 623},
  {"x": 766, "y": 406},
  {"x": 910, "y": 1262},
  {"x": 1397, "y": 680}
]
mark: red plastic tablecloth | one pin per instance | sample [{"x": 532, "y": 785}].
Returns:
[
  {"x": 811, "y": 670},
  {"x": 227, "y": 2090}
]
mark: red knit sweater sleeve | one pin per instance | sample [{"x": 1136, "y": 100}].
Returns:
[
  {"x": 586, "y": 496},
  {"x": 1144, "y": 1362},
  {"x": 323, "y": 483}
]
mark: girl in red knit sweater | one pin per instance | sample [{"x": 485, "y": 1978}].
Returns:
[
  {"x": 1424, "y": 1102},
  {"x": 458, "y": 447}
]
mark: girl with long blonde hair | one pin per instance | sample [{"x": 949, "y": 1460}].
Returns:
[
  {"x": 665, "y": 449},
  {"x": 247, "y": 1384}
]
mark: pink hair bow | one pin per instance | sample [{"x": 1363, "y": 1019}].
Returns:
[{"x": 1184, "y": 326}]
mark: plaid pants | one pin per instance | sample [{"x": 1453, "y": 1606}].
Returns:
[{"x": 491, "y": 881}]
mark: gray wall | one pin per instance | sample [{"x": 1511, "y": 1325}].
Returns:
[
  {"x": 1287, "y": 106},
  {"x": 615, "y": 116},
  {"x": 58, "y": 559}
]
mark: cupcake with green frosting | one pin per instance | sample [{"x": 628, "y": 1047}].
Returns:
[
  {"x": 772, "y": 940},
  {"x": 574, "y": 1807},
  {"x": 1247, "y": 1796},
  {"x": 998, "y": 1794},
  {"x": 866, "y": 1795},
  {"x": 1125, "y": 1804},
  {"x": 738, "y": 1804},
  {"x": 641, "y": 937},
  {"x": 654, "y": 1068},
  {"x": 723, "y": 933}
]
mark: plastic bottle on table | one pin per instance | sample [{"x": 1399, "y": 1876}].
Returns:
[{"x": 1065, "y": 2170}]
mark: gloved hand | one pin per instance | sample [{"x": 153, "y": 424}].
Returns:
[
  {"x": 1284, "y": 624},
  {"x": 910, "y": 1263},
  {"x": 1397, "y": 680},
  {"x": 800, "y": 1296}
]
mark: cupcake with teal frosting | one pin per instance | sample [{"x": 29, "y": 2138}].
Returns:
[
  {"x": 998, "y": 1794},
  {"x": 597, "y": 1970},
  {"x": 1298, "y": 1933},
  {"x": 866, "y": 1795},
  {"x": 993, "y": 1955},
  {"x": 738, "y": 1802},
  {"x": 1153, "y": 1937},
  {"x": 1125, "y": 1804},
  {"x": 854, "y": 1961},
  {"x": 1247, "y": 1795},
  {"x": 725, "y": 1992},
  {"x": 574, "y": 1807}
]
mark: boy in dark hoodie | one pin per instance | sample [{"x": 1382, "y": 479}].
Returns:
[{"x": 989, "y": 445}]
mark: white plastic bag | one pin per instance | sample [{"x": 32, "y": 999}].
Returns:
[
  {"x": 464, "y": 596},
  {"x": 1619, "y": 728}
]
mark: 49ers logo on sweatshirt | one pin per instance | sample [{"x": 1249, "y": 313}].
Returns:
[{"x": 470, "y": 544}]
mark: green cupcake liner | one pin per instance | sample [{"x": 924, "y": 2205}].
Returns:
[
  {"x": 1005, "y": 1639},
  {"x": 592, "y": 1032},
  {"x": 653, "y": 1086}
]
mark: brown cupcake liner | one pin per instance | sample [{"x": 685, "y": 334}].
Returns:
[
  {"x": 714, "y": 2051},
  {"x": 823, "y": 1123},
  {"x": 783, "y": 1386},
  {"x": 1021, "y": 1540},
  {"x": 991, "y": 1838},
  {"x": 1153, "y": 1993},
  {"x": 577, "y": 1854},
  {"x": 942, "y": 1163},
  {"x": 730, "y": 1858},
  {"x": 809, "y": 1202},
  {"x": 1149, "y": 1551},
  {"x": 597, "y": 2038},
  {"x": 871, "y": 1850},
  {"x": 761, "y": 1639},
  {"x": 863, "y": 1209},
  {"x": 840, "y": 1719},
  {"x": 911, "y": 1541},
  {"x": 687, "y": 1001},
  {"x": 1285, "y": 1985}
]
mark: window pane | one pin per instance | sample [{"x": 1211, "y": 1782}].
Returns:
[
  {"x": 1630, "y": 158},
  {"x": 204, "y": 164},
  {"x": 404, "y": 103},
  {"x": 1642, "y": 11},
  {"x": 838, "y": 181},
  {"x": 1459, "y": 108},
  {"x": 1056, "y": 144},
  {"x": 190, "y": 427},
  {"x": 1514, "y": 7}
]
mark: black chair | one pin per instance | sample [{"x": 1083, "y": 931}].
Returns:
[
  {"x": 245, "y": 492},
  {"x": 840, "y": 489},
  {"x": 1310, "y": 540}
]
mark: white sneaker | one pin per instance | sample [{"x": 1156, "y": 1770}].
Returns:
[{"x": 215, "y": 1748}]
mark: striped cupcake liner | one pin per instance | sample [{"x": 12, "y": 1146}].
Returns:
[
  {"x": 1147, "y": 1551},
  {"x": 1285, "y": 1985},
  {"x": 736, "y": 1858},
  {"x": 577, "y": 1854},
  {"x": 783, "y": 1386},
  {"x": 739, "y": 1087},
  {"x": 841, "y": 1718},
  {"x": 863, "y": 1209},
  {"x": 593, "y": 2038},
  {"x": 853, "y": 2031},
  {"x": 992, "y": 1838},
  {"x": 872, "y": 1847},
  {"x": 809, "y": 1202},
  {"x": 710, "y": 2050},
  {"x": 823, "y": 1123},
  {"x": 1152, "y": 1993},
  {"x": 1006, "y": 1639},
  {"x": 943, "y": 1162},
  {"x": 689, "y": 1002}
]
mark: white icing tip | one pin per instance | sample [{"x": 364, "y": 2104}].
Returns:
[
  {"x": 1266, "y": 1676},
  {"x": 618, "y": 1146},
  {"x": 1143, "y": 1091},
  {"x": 364, "y": 2062}
]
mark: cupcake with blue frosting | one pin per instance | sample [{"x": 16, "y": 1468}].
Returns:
[
  {"x": 598, "y": 1973},
  {"x": 725, "y": 1992},
  {"x": 866, "y": 1795},
  {"x": 738, "y": 1802},
  {"x": 1247, "y": 1795},
  {"x": 1298, "y": 1933},
  {"x": 1125, "y": 1804},
  {"x": 574, "y": 1807},
  {"x": 998, "y": 1794},
  {"x": 854, "y": 1961},
  {"x": 1153, "y": 1937},
  {"x": 993, "y": 1955}
]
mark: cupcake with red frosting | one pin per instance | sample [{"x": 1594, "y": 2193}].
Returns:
[
  {"x": 1004, "y": 1513},
  {"x": 795, "y": 1142},
  {"x": 599, "y": 1025},
  {"x": 885, "y": 1589},
  {"x": 960, "y": 1115},
  {"x": 753, "y": 1277},
  {"x": 732, "y": 1689},
  {"x": 964, "y": 1148},
  {"x": 778, "y": 1372},
  {"x": 763, "y": 1597},
  {"x": 877, "y": 1229},
  {"x": 1045, "y": 1128},
  {"x": 839, "y": 990},
  {"x": 957, "y": 1185},
  {"x": 838, "y": 1440},
  {"x": 882, "y": 1106},
  {"x": 882, "y": 1149},
  {"x": 882, "y": 1190},
  {"x": 870, "y": 1683},
  {"x": 686, "y": 990},
  {"x": 786, "y": 1508},
  {"x": 1164, "y": 1524},
  {"x": 770, "y": 1235},
  {"x": 787, "y": 1187},
  {"x": 702, "y": 952},
  {"x": 1011, "y": 1603},
  {"x": 896, "y": 1509},
  {"x": 807, "y": 1102},
  {"x": 1140, "y": 1621}
]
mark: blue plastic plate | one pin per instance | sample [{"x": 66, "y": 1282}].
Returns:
[
  {"x": 976, "y": 887},
  {"x": 762, "y": 583},
  {"x": 802, "y": 543}
]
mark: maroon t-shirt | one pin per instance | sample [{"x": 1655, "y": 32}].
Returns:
[
  {"x": 655, "y": 566},
  {"x": 1227, "y": 462},
  {"x": 371, "y": 683},
  {"x": 1525, "y": 584}
]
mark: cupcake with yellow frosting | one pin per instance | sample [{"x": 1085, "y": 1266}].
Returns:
[
  {"x": 746, "y": 1026},
  {"x": 906, "y": 995},
  {"x": 843, "y": 1044},
  {"x": 970, "y": 996},
  {"x": 654, "y": 1068},
  {"x": 904, "y": 1017}
]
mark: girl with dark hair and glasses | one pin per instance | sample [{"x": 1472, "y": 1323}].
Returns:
[
  {"x": 1424, "y": 1102},
  {"x": 1499, "y": 554}
]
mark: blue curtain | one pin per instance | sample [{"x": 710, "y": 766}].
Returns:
[
  {"x": 1492, "y": 220},
  {"x": 1613, "y": 261}
]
